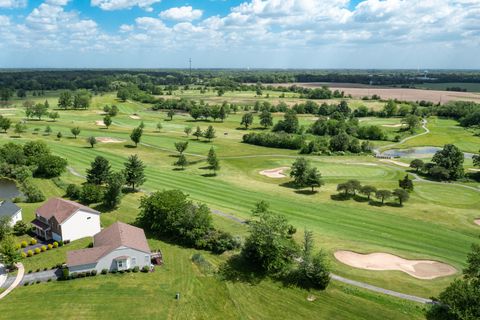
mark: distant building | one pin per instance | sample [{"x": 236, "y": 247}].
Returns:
[
  {"x": 118, "y": 247},
  {"x": 60, "y": 219},
  {"x": 10, "y": 210}
]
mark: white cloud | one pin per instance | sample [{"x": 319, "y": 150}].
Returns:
[
  {"x": 10, "y": 4},
  {"x": 57, "y": 2},
  {"x": 185, "y": 13},
  {"x": 110, "y": 5}
]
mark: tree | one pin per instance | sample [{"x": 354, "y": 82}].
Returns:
[
  {"x": 390, "y": 108},
  {"x": 9, "y": 253},
  {"x": 383, "y": 195},
  {"x": 269, "y": 246},
  {"x": 39, "y": 110},
  {"x": 181, "y": 146},
  {"x": 170, "y": 114},
  {"x": 401, "y": 195},
  {"x": 65, "y": 100},
  {"x": 48, "y": 130},
  {"x": 266, "y": 119},
  {"x": 213, "y": 161},
  {"x": 91, "y": 194},
  {"x": 159, "y": 126},
  {"x": 476, "y": 160},
  {"x": 20, "y": 128},
  {"x": 299, "y": 171},
  {"x": 406, "y": 183},
  {"x": 75, "y": 131},
  {"x": 50, "y": 166},
  {"x": 417, "y": 164},
  {"x": 188, "y": 131},
  {"x": 59, "y": 135},
  {"x": 222, "y": 114},
  {"x": 209, "y": 134},
  {"x": 136, "y": 135},
  {"x": 92, "y": 141},
  {"x": 82, "y": 99},
  {"x": 20, "y": 228},
  {"x": 5, "y": 123},
  {"x": 368, "y": 190},
  {"x": 354, "y": 186},
  {"x": 461, "y": 299},
  {"x": 289, "y": 124},
  {"x": 247, "y": 119},
  {"x": 181, "y": 161},
  {"x": 313, "y": 179},
  {"x": 99, "y": 171},
  {"x": 113, "y": 191},
  {"x": 107, "y": 121},
  {"x": 313, "y": 270},
  {"x": 134, "y": 172},
  {"x": 450, "y": 158},
  {"x": 412, "y": 122},
  {"x": 5, "y": 227},
  {"x": 5, "y": 94},
  {"x": 198, "y": 133}
]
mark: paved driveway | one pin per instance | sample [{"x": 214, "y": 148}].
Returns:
[
  {"x": 42, "y": 276},
  {"x": 3, "y": 274}
]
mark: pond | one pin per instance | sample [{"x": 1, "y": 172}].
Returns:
[
  {"x": 417, "y": 152},
  {"x": 8, "y": 189}
]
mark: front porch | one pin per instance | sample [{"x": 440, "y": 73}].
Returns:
[{"x": 41, "y": 229}]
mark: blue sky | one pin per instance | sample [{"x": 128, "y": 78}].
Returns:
[{"x": 240, "y": 34}]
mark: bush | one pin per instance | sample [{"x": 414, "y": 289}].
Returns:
[
  {"x": 29, "y": 271},
  {"x": 24, "y": 244},
  {"x": 73, "y": 191},
  {"x": 74, "y": 275},
  {"x": 33, "y": 241},
  {"x": 43, "y": 248},
  {"x": 145, "y": 269},
  {"x": 49, "y": 280},
  {"x": 113, "y": 271},
  {"x": 29, "y": 253},
  {"x": 37, "y": 250},
  {"x": 104, "y": 271},
  {"x": 31, "y": 192},
  {"x": 91, "y": 194},
  {"x": 18, "y": 246},
  {"x": 38, "y": 270},
  {"x": 55, "y": 244},
  {"x": 136, "y": 269},
  {"x": 20, "y": 228},
  {"x": 23, "y": 254},
  {"x": 93, "y": 272},
  {"x": 275, "y": 140},
  {"x": 65, "y": 274},
  {"x": 49, "y": 246}
]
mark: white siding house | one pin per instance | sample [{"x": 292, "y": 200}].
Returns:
[
  {"x": 10, "y": 210},
  {"x": 62, "y": 220},
  {"x": 118, "y": 247}
]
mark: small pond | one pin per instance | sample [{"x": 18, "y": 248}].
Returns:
[
  {"x": 417, "y": 152},
  {"x": 8, "y": 189}
]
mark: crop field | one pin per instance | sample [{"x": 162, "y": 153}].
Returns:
[{"x": 437, "y": 222}]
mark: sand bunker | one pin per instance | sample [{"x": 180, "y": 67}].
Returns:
[
  {"x": 477, "y": 221},
  {"x": 398, "y": 163},
  {"x": 274, "y": 173},
  {"x": 363, "y": 163},
  {"x": 392, "y": 125},
  {"x": 109, "y": 140},
  {"x": 420, "y": 269},
  {"x": 100, "y": 123},
  {"x": 474, "y": 170},
  {"x": 135, "y": 117}
]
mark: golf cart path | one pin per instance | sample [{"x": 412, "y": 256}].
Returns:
[{"x": 424, "y": 127}]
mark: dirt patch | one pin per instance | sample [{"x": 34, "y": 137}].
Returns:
[
  {"x": 477, "y": 221},
  {"x": 378, "y": 261},
  {"x": 392, "y": 125},
  {"x": 100, "y": 123},
  {"x": 276, "y": 173},
  {"x": 363, "y": 163},
  {"x": 109, "y": 140},
  {"x": 398, "y": 163},
  {"x": 101, "y": 112},
  {"x": 135, "y": 117}
]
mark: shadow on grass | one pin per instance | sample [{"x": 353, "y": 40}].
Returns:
[
  {"x": 306, "y": 192},
  {"x": 340, "y": 197},
  {"x": 289, "y": 185},
  {"x": 236, "y": 269},
  {"x": 209, "y": 175},
  {"x": 358, "y": 198},
  {"x": 178, "y": 169},
  {"x": 130, "y": 146}
]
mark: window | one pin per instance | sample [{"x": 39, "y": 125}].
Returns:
[
  {"x": 147, "y": 259},
  {"x": 120, "y": 264},
  {"x": 134, "y": 262}
]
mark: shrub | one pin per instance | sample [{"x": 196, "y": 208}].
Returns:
[
  {"x": 73, "y": 191},
  {"x": 65, "y": 274},
  {"x": 25, "y": 284},
  {"x": 45, "y": 269},
  {"x": 93, "y": 272},
  {"x": 104, "y": 271},
  {"x": 29, "y": 271},
  {"x": 113, "y": 271},
  {"x": 91, "y": 194},
  {"x": 33, "y": 241},
  {"x": 38, "y": 281},
  {"x": 49, "y": 246},
  {"x": 136, "y": 269},
  {"x": 37, "y": 250},
  {"x": 29, "y": 253},
  {"x": 121, "y": 271},
  {"x": 43, "y": 248},
  {"x": 21, "y": 228},
  {"x": 74, "y": 275},
  {"x": 24, "y": 244},
  {"x": 55, "y": 244},
  {"x": 145, "y": 269},
  {"x": 38, "y": 270},
  {"x": 23, "y": 254},
  {"x": 275, "y": 140},
  {"x": 90, "y": 245},
  {"x": 18, "y": 246},
  {"x": 31, "y": 192},
  {"x": 49, "y": 280}
]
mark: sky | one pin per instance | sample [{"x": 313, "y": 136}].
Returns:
[{"x": 399, "y": 34}]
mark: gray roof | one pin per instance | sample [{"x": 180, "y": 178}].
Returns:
[{"x": 8, "y": 208}]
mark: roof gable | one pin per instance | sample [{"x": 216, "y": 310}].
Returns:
[
  {"x": 61, "y": 209},
  {"x": 8, "y": 208}
]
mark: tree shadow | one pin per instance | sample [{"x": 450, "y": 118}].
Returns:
[
  {"x": 306, "y": 192},
  {"x": 209, "y": 175},
  {"x": 16, "y": 137},
  {"x": 376, "y": 203},
  {"x": 178, "y": 169},
  {"x": 129, "y": 146},
  {"x": 289, "y": 185},
  {"x": 358, "y": 198},
  {"x": 236, "y": 269},
  {"x": 340, "y": 197},
  {"x": 394, "y": 204}
]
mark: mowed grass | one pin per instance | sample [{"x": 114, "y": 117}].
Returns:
[{"x": 430, "y": 226}]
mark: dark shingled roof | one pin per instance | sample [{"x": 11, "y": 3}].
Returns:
[
  {"x": 8, "y": 208},
  {"x": 117, "y": 235},
  {"x": 61, "y": 209}
]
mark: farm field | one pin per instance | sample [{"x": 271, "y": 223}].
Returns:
[{"x": 437, "y": 222}]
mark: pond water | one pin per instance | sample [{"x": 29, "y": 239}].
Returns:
[
  {"x": 8, "y": 189},
  {"x": 417, "y": 152}
]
